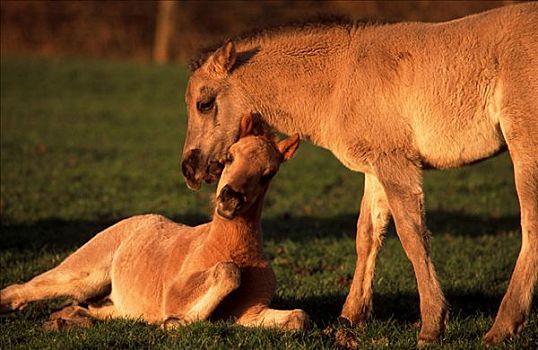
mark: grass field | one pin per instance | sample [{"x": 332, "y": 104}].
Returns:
[{"x": 84, "y": 144}]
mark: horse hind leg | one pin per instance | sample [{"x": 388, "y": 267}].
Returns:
[
  {"x": 73, "y": 316},
  {"x": 82, "y": 275},
  {"x": 522, "y": 144},
  {"x": 60, "y": 281},
  {"x": 373, "y": 218},
  {"x": 81, "y": 315}
]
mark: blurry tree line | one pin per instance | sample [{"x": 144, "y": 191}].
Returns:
[{"x": 174, "y": 30}]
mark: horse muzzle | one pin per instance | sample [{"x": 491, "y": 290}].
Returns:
[
  {"x": 230, "y": 202},
  {"x": 195, "y": 170}
]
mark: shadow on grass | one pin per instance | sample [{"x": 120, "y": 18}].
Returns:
[
  {"x": 398, "y": 306},
  {"x": 305, "y": 228},
  {"x": 55, "y": 234},
  {"x": 58, "y": 236}
]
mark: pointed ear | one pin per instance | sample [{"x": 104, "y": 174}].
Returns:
[
  {"x": 223, "y": 59},
  {"x": 247, "y": 123},
  {"x": 289, "y": 146}
]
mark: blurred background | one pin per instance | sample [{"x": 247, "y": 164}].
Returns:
[{"x": 173, "y": 30}]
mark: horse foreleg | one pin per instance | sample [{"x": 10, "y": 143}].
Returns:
[
  {"x": 195, "y": 298},
  {"x": 270, "y": 318},
  {"x": 373, "y": 218},
  {"x": 518, "y": 298},
  {"x": 402, "y": 180}
]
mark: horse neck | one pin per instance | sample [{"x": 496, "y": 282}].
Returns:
[
  {"x": 292, "y": 79},
  {"x": 241, "y": 237}
]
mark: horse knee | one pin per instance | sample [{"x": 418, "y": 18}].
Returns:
[{"x": 227, "y": 272}]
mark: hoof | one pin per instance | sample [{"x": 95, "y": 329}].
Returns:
[
  {"x": 344, "y": 322},
  {"x": 172, "y": 323},
  {"x": 68, "y": 318},
  {"x": 500, "y": 331},
  {"x": 9, "y": 302},
  {"x": 298, "y": 320},
  {"x": 6, "y": 308},
  {"x": 63, "y": 324},
  {"x": 345, "y": 333},
  {"x": 423, "y": 342},
  {"x": 346, "y": 339},
  {"x": 356, "y": 313},
  {"x": 432, "y": 334},
  {"x": 494, "y": 337}
]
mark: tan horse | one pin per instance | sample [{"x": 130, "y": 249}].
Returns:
[
  {"x": 388, "y": 100},
  {"x": 160, "y": 271}
]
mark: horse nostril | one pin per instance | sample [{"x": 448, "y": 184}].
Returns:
[
  {"x": 187, "y": 169},
  {"x": 224, "y": 193},
  {"x": 231, "y": 198},
  {"x": 190, "y": 163}
]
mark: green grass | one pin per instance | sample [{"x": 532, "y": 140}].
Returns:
[{"x": 84, "y": 144}]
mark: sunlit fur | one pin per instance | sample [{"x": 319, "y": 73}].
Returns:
[
  {"x": 390, "y": 100},
  {"x": 171, "y": 274}
]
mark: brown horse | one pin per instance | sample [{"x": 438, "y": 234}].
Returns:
[
  {"x": 389, "y": 101},
  {"x": 161, "y": 271}
]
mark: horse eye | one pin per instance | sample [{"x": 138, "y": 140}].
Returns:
[
  {"x": 229, "y": 158},
  {"x": 206, "y": 105},
  {"x": 266, "y": 178}
]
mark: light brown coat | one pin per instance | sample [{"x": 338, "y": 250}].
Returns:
[
  {"x": 172, "y": 274},
  {"x": 389, "y": 101}
]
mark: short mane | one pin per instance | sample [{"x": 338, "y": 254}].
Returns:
[{"x": 312, "y": 23}]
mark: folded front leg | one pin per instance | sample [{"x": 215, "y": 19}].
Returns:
[
  {"x": 270, "y": 318},
  {"x": 195, "y": 298}
]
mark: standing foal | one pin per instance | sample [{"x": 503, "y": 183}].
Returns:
[{"x": 169, "y": 273}]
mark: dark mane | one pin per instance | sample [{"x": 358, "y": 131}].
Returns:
[{"x": 312, "y": 23}]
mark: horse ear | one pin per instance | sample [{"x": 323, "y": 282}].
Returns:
[
  {"x": 223, "y": 59},
  {"x": 247, "y": 123},
  {"x": 289, "y": 146}
]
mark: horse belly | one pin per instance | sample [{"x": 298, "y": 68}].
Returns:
[
  {"x": 462, "y": 128},
  {"x": 137, "y": 288},
  {"x": 460, "y": 143},
  {"x": 146, "y": 263}
]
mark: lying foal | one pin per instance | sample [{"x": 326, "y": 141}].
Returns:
[{"x": 172, "y": 274}]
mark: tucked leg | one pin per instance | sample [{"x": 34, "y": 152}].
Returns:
[
  {"x": 401, "y": 180},
  {"x": 270, "y": 318},
  {"x": 197, "y": 297},
  {"x": 80, "y": 315},
  {"x": 373, "y": 218}
]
